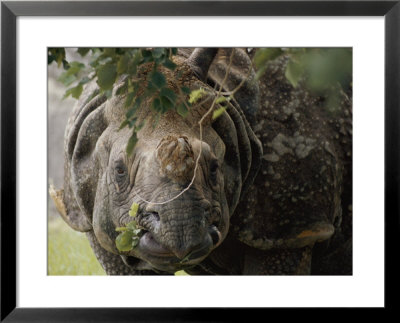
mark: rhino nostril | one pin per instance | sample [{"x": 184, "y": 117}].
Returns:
[
  {"x": 152, "y": 215},
  {"x": 148, "y": 220},
  {"x": 215, "y": 235}
]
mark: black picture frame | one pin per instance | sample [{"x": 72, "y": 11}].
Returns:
[{"x": 10, "y": 10}]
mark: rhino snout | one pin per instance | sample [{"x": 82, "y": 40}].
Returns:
[{"x": 187, "y": 237}]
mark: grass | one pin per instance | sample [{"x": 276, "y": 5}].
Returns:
[{"x": 69, "y": 252}]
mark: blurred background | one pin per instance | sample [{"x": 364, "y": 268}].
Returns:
[{"x": 69, "y": 252}]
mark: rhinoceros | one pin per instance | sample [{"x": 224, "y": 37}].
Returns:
[{"x": 270, "y": 193}]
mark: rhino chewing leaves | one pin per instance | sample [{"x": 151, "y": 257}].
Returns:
[
  {"x": 130, "y": 234},
  {"x": 232, "y": 219}
]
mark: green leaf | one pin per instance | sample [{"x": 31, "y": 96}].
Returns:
[
  {"x": 75, "y": 67},
  {"x": 122, "y": 65},
  {"x": 182, "y": 110},
  {"x": 293, "y": 73},
  {"x": 264, "y": 55},
  {"x": 84, "y": 80},
  {"x": 156, "y": 104},
  {"x": 140, "y": 126},
  {"x": 150, "y": 90},
  {"x": 168, "y": 93},
  {"x": 123, "y": 124},
  {"x": 137, "y": 232},
  {"x": 83, "y": 51},
  {"x": 67, "y": 79},
  {"x": 196, "y": 95},
  {"x": 65, "y": 64},
  {"x": 109, "y": 51},
  {"x": 166, "y": 104},
  {"x": 129, "y": 99},
  {"x": 132, "y": 122},
  {"x": 70, "y": 75},
  {"x": 120, "y": 229},
  {"x": 158, "y": 52},
  {"x": 131, "y": 112},
  {"x": 126, "y": 122},
  {"x": 135, "y": 242},
  {"x": 222, "y": 99},
  {"x": 58, "y": 54},
  {"x": 158, "y": 79},
  {"x": 134, "y": 209},
  {"x": 124, "y": 241},
  {"x": 106, "y": 75},
  {"x": 217, "y": 113},
  {"x": 137, "y": 59},
  {"x": 131, "y": 143},
  {"x": 146, "y": 55},
  {"x": 108, "y": 93},
  {"x": 106, "y": 60},
  {"x": 132, "y": 225},
  {"x": 75, "y": 92},
  {"x": 185, "y": 90},
  {"x": 50, "y": 58},
  {"x": 169, "y": 64}
]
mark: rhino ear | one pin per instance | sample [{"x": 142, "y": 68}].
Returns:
[
  {"x": 243, "y": 152},
  {"x": 241, "y": 77},
  {"x": 81, "y": 167},
  {"x": 200, "y": 61},
  {"x": 243, "y": 149},
  {"x": 226, "y": 130}
]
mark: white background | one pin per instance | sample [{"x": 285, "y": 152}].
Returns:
[{"x": 364, "y": 288}]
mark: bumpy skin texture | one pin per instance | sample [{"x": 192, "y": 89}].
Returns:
[
  {"x": 303, "y": 191},
  {"x": 273, "y": 193}
]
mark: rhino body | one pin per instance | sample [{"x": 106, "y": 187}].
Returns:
[{"x": 272, "y": 193}]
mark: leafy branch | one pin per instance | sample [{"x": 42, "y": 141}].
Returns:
[
  {"x": 323, "y": 71},
  {"x": 122, "y": 66}
]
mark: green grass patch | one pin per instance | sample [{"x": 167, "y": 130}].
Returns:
[{"x": 69, "y": 251}]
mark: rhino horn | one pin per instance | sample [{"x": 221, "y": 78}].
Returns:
[
  {"x": 176, "y": 158},
  {"x": 200, "y": 61}
]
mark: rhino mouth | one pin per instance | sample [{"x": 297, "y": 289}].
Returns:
[{"x": 161, "y": 258}]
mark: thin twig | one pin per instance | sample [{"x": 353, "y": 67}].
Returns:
[{"x": 230, "y": 93}]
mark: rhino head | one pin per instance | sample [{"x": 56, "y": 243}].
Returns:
[{"x": 186, "y": 187}]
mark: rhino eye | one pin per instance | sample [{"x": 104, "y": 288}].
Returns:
[{"x": 120, "y": 171}]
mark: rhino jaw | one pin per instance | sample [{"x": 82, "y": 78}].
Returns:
[
  {"x": 158, "y": 257},
  {"x": 169, "y": 250}
]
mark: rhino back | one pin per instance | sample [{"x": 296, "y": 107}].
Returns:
[{"x": 304, "y": 185}]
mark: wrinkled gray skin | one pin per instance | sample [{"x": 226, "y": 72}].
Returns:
[{"x": 272, "y": 193}]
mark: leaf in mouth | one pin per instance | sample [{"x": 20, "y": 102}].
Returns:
[
  {"x": 134, "y": 209},
  {"x": 129, "y": 236},
  {"x": 124, "y": 241}
]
